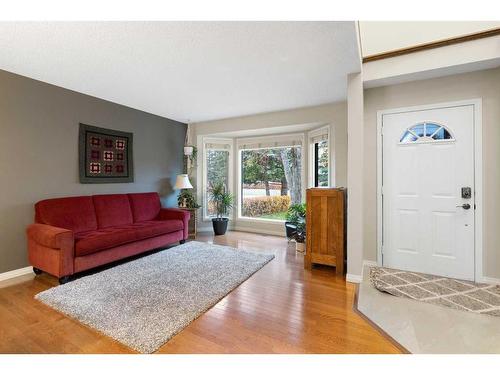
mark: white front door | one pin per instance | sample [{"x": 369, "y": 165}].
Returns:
[{"x": 428, "y": 191}]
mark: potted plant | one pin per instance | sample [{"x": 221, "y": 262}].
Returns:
[
  {"x": 223, "y": 202},
  {"x": 290, "y": 229},
  {"x": 296, "y": 217},
  {"x": 186, "y": 199}
]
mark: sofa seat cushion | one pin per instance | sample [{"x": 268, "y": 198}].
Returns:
[
  {"x": 146, "y": 229},
  {"x": 87, "y": 243}
]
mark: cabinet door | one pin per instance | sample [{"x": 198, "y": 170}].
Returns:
[{"x": 325, "y": 227}]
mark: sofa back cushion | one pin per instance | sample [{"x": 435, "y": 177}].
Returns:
[
  {"x": 73, "y": 213},
  {"x": 145, "y": 206},
  {"x": 112, "y": 210}
]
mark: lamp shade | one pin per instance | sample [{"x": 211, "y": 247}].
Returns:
[{"x": 182, "y": 182}]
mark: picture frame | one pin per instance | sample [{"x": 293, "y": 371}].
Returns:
[{"x": 105, "y": 155}]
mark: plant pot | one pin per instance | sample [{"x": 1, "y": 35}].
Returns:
[
  {"x": 220, "y": 226},
  {"x": 290, "y": 230},
  {"x": 188, "y": 150},
  {"x": 300, "y": 247}
]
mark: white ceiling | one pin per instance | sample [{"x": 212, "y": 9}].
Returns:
[{"x": 188, "y": 71}]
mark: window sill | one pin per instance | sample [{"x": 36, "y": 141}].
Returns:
[{"x": 255, "y": 220}]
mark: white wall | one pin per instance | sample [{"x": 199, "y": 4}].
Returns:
[
  {"x": 355, "y": 173},
  {"x": 384, "y": 36},
  {"x": 334, "y": 114},
  {"x": 458, "y": 58},
  {"x": 483, "y": 84}
]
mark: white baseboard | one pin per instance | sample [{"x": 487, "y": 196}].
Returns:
[
  {"x": 356, "y": 279},
  {"x": 244, "y": 226},
  {"x": 369, "y": 263},
  {"x": 237, "y": 228},
  {"x": 279, "y": 233},
  {"x": 15, "y": 273},
  {"x": 209, "y": 228},
  {"x": 489, "y": 280}
]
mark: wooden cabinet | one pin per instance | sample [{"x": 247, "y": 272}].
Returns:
[{"x": 325, "y": 228}]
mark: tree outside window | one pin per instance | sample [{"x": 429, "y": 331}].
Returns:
[
  {"x": 321, "y": 164},
  {"x": 271, "y": 180}
]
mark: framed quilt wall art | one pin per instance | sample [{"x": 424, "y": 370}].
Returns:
[{"x": 105, "y": 155}]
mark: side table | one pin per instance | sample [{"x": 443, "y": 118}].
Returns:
[{"x": 192, "y": 221}]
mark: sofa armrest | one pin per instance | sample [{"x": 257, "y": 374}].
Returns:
[
  {"x": 49, "y": 236},
  {"x": 176, "y": 214},
  {"x": 51, "y": 249}
]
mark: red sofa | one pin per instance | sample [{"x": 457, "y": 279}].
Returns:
[{"x": 74, "y": 234}]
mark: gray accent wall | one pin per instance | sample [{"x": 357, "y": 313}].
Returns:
[{"x": 39, "y": 153}]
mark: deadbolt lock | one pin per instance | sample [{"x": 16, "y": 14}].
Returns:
[{"x": 466, "y": 193}]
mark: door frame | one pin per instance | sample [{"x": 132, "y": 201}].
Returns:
[{"x": 478, "y": 175}]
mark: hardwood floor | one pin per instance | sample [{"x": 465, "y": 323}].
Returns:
[{"x": 280, "y": 309}]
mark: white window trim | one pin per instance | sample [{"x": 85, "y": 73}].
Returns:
[
  {"x": 204, "y": 187},
  {"x": 239, "y": 141},
  {"x": 423, "y": 139},
  {"x": 310, "y": 147}
]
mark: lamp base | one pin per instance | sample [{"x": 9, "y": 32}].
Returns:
[{"x": 184, "y": 203}]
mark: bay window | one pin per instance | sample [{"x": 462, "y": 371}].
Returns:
[
  {"x": 270, "y": 176},
  {"x": 319, "y": 156},
  {"x": 217, "y": 154}
]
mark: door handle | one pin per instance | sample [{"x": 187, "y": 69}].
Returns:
[{"x": 465, "y": 206}]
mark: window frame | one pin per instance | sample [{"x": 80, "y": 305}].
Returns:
[
  {"x": 316, "y": 164},
  {"x": 265, "y": 139},
  {"x": 204, "y": 192},
  {"x": 426, "y": 139},
  {"x": 326, "y": 129}
]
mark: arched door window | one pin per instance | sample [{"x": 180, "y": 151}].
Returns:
[{"x": 426, "y": 132}]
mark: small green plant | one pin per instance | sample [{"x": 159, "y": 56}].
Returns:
[
  {"x": 222, "y": 200},
  {"x": 193, "y": 157},
  {"x": 296, "y": 215},
  {"x": 188, "y": 198}
]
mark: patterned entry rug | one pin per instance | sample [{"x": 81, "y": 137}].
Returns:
[
  {"x": 457, "y": 294},
  {"x": 145, "y": 302}
]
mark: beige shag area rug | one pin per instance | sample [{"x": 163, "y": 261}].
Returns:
[
  {"x": 457, "y": 294},
  {"x": 145, "y": 302}
]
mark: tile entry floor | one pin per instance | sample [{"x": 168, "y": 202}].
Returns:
[{"x": 425, "y": 328}]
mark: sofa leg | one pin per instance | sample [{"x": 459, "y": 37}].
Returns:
[
  {"x": 64, "y": 279},
  {"x": 37, "y": 271},
  {"x": 182, "y": 241}
]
